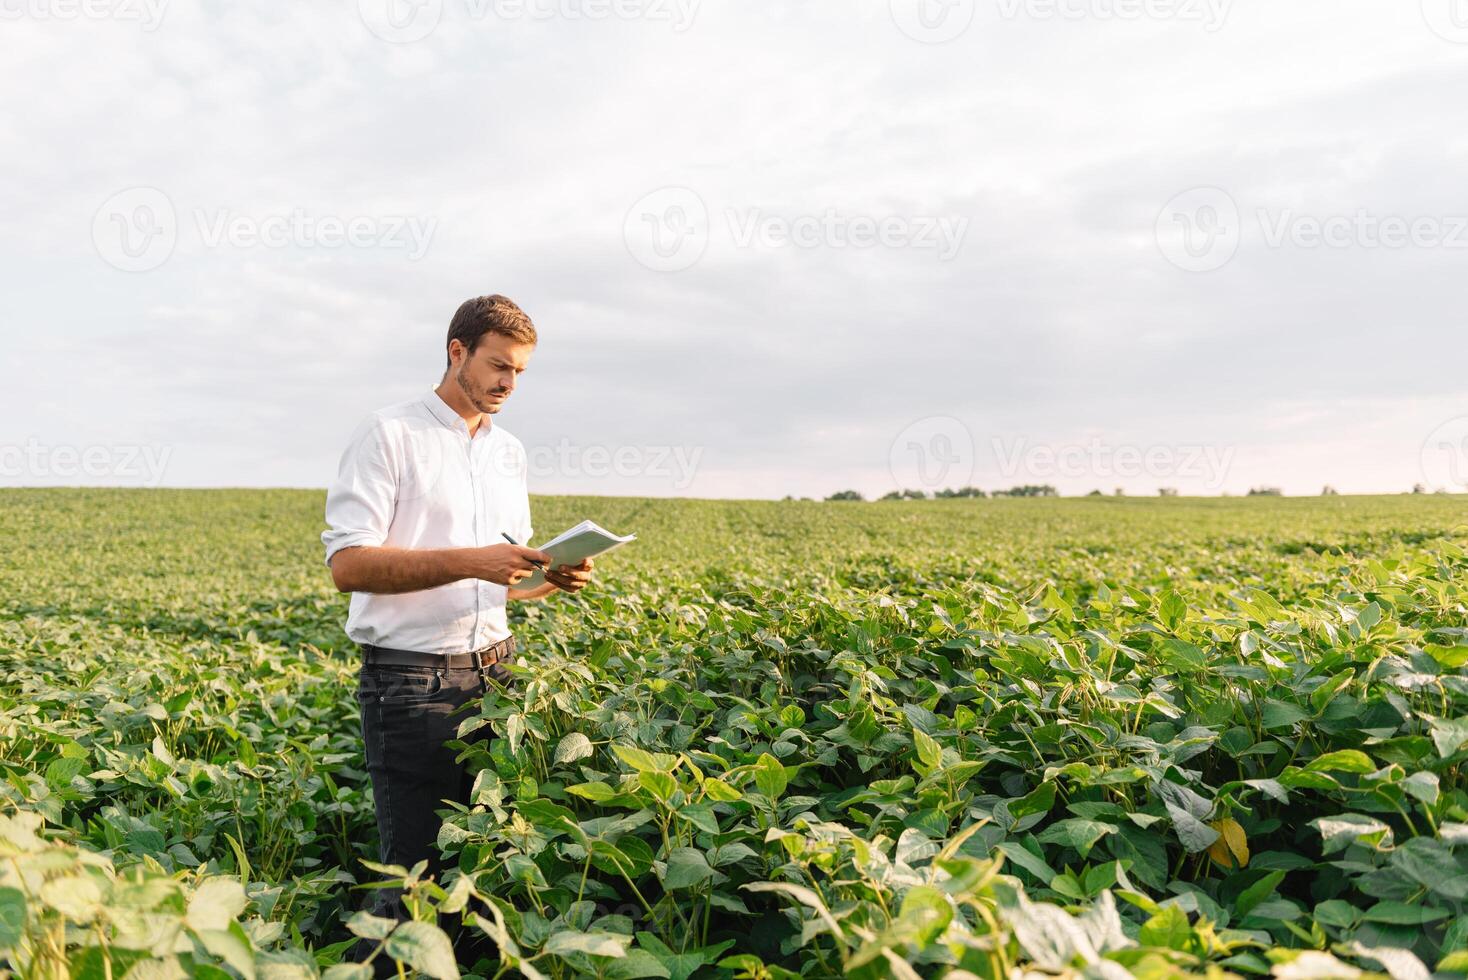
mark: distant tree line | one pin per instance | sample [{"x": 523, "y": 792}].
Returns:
[
  {"x": 1045, "y": 490},
  {"x": 948, "y": 493}
]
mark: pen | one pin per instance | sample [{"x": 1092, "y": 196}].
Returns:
[{"x": 517, "y": 544}]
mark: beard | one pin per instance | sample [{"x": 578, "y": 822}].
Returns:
[{"x": 477, "y": 395}]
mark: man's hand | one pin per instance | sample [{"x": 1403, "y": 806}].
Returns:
[
  {"x": 508, "y": 564},
  {"x": 570, "y": 578}
]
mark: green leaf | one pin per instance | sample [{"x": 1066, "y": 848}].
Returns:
[
  {"x": 1172, "y": 609},
  {"x": 1021, "y": 856},
  {"x": 1168, "y": 929},
  {"x": 687, "y": 868},
  {"x": 77, "y": 897},
  {"x": 660, "y": 784},
  {"x": 425, "y": 947},
  {"x": 641, "y": 760},
  {"x": 929, "y": 752},
  {"x": 1422, "y": 786},
  {"x": 572, "y": 747},
  {"x": 1449, "y": 657},
  {"x": 720, "y": 791},
  {"x": 1038, "y": 800},
  {"x": 631, "y": 856},
  {"x": 1346, "y": 760},
  {"x": 1194, "y": 834},
  {"x": 596, "y": 792},
  {"x": 1282, "y": 714},
  {"x": 1250, "y": 897},
  {"x": 12, "y": 916},
  {"x": 1343, "y": 830},
  {"x": 1449, "y": 735},
  {"x": 216, "y": 903},
  {"x": 1336, "y": 913},
  {"x": 1320, "y": 697},
  {"x": 701, "y": 815},
  {"x": 637, "y": 963},
  {"x": 596, "y": 943},
  {"x": 769, "y": 777},
  {"x": 926, "y": 911},
  {"x": 370, "y": 926},
  {"x": 1076, "y": 833},
  {"x": 1399, "y": 913}
]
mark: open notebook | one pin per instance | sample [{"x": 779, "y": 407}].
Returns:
[{"x": 586, "y": 540}]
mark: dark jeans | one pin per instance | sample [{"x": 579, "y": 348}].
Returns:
[{"x": 408, "y": 713}]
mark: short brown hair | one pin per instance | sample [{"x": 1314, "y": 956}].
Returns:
[{"x": 489, "y": 314}]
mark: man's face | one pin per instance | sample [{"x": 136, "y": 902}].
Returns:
[{"x": 488, "y": 375}]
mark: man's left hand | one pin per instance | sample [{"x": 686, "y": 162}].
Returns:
[{"x": 570, "y": 578}]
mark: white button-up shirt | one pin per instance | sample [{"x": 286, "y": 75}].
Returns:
[{"x": 413, "y": 478}]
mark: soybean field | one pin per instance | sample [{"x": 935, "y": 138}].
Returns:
[{"x": 1096, "y": 738}]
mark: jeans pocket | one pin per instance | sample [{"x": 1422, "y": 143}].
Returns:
[{"x": 399, "y": 685}]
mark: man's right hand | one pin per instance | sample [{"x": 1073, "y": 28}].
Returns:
[{"x": 509, "y": 564}]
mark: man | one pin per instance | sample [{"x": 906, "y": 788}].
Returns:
[{"x": 429, "y": 495}]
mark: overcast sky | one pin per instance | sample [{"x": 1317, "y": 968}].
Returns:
[{"x": 771, "y": 248}]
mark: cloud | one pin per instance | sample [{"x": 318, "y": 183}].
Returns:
[{"x": 793, "y": 352}]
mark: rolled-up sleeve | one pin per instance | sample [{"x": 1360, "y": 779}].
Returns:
[{"x": 359, "y": 505}]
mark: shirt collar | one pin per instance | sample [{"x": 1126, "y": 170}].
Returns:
[{"x": 442, "y": 411}]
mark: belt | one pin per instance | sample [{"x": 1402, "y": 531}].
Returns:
[{"x": 495, "y": 653}]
